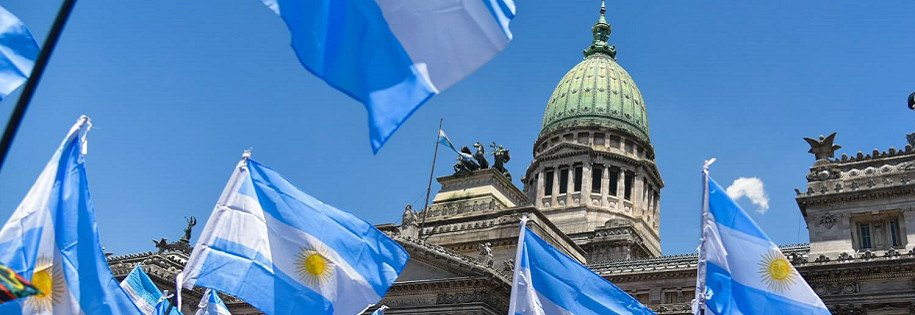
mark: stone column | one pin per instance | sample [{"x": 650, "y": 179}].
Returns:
[
  {"x": 586, "y": 176},
  {"x": 555, "y": 200},
  {"x": 637, "y": 194},
  {"x": 570, "y": 184},
  {"x": 621, "y": 184},
  {"x": 541, "y": 189},
  {"x": 605, "y": 185}
]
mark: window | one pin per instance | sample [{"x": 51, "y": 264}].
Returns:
[
  {"x": 630, "y": 147},
  {"x": 583, "y": 137},
  {"x": 878, "y": 231},
  {"x": 614, "y": 142},
  {"x": 597, "y": 174},
  {"x": 563, "y": 181},
  {"x": 864, "y": 231},
  {"x": 642, "y": 297},
  {"x": 598, "y": 139},
  {"x": 614, "y": 177},
  {"x": 627, "y": 185},
  {"x": 577, "y": 179},
  {"x": 548, "y": 184}
]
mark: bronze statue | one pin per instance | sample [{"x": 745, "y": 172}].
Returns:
[
  {"x": 460, "y": 167},
  {"x": 480, "y": 156},
  {"x": 824, "y": 149},
  {"x": 500, "y": 157},
  {"x": 162, "y": 245},
  {"x": 191, "y": 222}
]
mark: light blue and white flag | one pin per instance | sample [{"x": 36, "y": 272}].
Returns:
[
  {"x": 211, "y": 304},
  {"x": 144, "y": 293},
  {"x": 380, "y": 310},
  {"x": 444, "y": 140},
  {"x": 546, "y": 281},
  {"x": 741, "y": 271},
  {"x": 393, "y": 55},
  {"x": 285, "y": 252},
  {"x": 18, "y": 51},
  {"x": 52, "y": 241}
]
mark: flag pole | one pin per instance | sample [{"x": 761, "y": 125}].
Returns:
[
  {"x": 43, "y": 56},
  {"x": 699, "y": 307},
  {"x": 422, "y": 224}
]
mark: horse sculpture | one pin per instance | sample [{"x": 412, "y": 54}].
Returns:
[{"x": 500, "y": 157}]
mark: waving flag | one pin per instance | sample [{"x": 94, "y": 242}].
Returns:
[
  {"x": 144, "y": 292},
  {"x": 380, "y": 310},
  {"x": 393, "y": 55},
  {"x": 211, "y": 304},
  {"x": 546, "y": 281},
  {"x": 13, "y": 286},
  {"x": 285, "y": 252},
  {"x": 18, "y": 51},
  {"x": 741, "y": 271},
  {"x": 444, "y": 140},
  {"x": 52, "y": 239}
]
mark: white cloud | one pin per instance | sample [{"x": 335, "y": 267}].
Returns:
[{"x": 752, "y": 188}]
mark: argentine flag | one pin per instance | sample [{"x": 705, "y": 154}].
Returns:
[
  {"x": 393, "y": 55},
  {"x": 144, "y": 293},
  {"x": 444, "y": 140},
  {"x": 211, "y": 304},
  {"x": 18, "y": 51},
  {"x": 547, "y": 282},
  {"x": 741, "y": 271},
  {"x": 52, "y": 241},
  {"x": 285, "y": 252}
]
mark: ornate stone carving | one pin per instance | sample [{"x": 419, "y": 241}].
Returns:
[
  {"x": 828, "y": 221},
  {"x": 500, "y": 157},
  {"x": 835, "y": 288},
  {"x": 823, "y": 149},
  {"x": 486, "y": 254}
]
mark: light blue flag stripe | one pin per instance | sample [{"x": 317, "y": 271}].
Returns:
[
  {"x": 18, "y": 51},
  {"x": 564, "y": 285},
  {"x": 59, "y": 203},
  {"x": 392, "y": 55}
]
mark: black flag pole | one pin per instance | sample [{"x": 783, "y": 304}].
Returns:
[
  {"x": 422, "y": 224},
  {"x": 12, "y": 126}
]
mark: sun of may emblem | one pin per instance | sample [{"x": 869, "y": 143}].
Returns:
[
  {"x": 314, "y": 267},
  {"x": 777, "y": 272},
  {"x": 48, "y": 279}
]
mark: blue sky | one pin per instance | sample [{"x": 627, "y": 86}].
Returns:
[{"x": 178, "y": 89}]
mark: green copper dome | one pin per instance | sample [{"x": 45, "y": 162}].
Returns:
[{"x": 598, "y": 92}]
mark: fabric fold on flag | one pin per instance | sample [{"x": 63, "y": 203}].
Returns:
[
  {"x": 18, "y": 52},
  {"x": 52, "y": 240},
  {"x": 211, "y": 304},
  {"x": 741, "y": 270},
  {"x": 393, "y": 55},
  {"x": 547, "y": 281},
  {"x": 285, "y": 252}
]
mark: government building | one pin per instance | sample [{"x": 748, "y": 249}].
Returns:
[{"x": 593, "y": 191}]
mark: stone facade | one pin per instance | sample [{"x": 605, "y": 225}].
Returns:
[{"x": 593, "y": 191}]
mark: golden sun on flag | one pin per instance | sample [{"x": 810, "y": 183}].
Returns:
[
  {"x": 314, "y": 267},
  {"x": 49, "y": 280},
  {"x": 777, "y": 272}
]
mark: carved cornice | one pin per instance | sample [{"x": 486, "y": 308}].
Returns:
[{"x": 426, "y": 294}]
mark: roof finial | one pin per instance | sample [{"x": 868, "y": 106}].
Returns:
[{"x": 601, "y": 31}]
